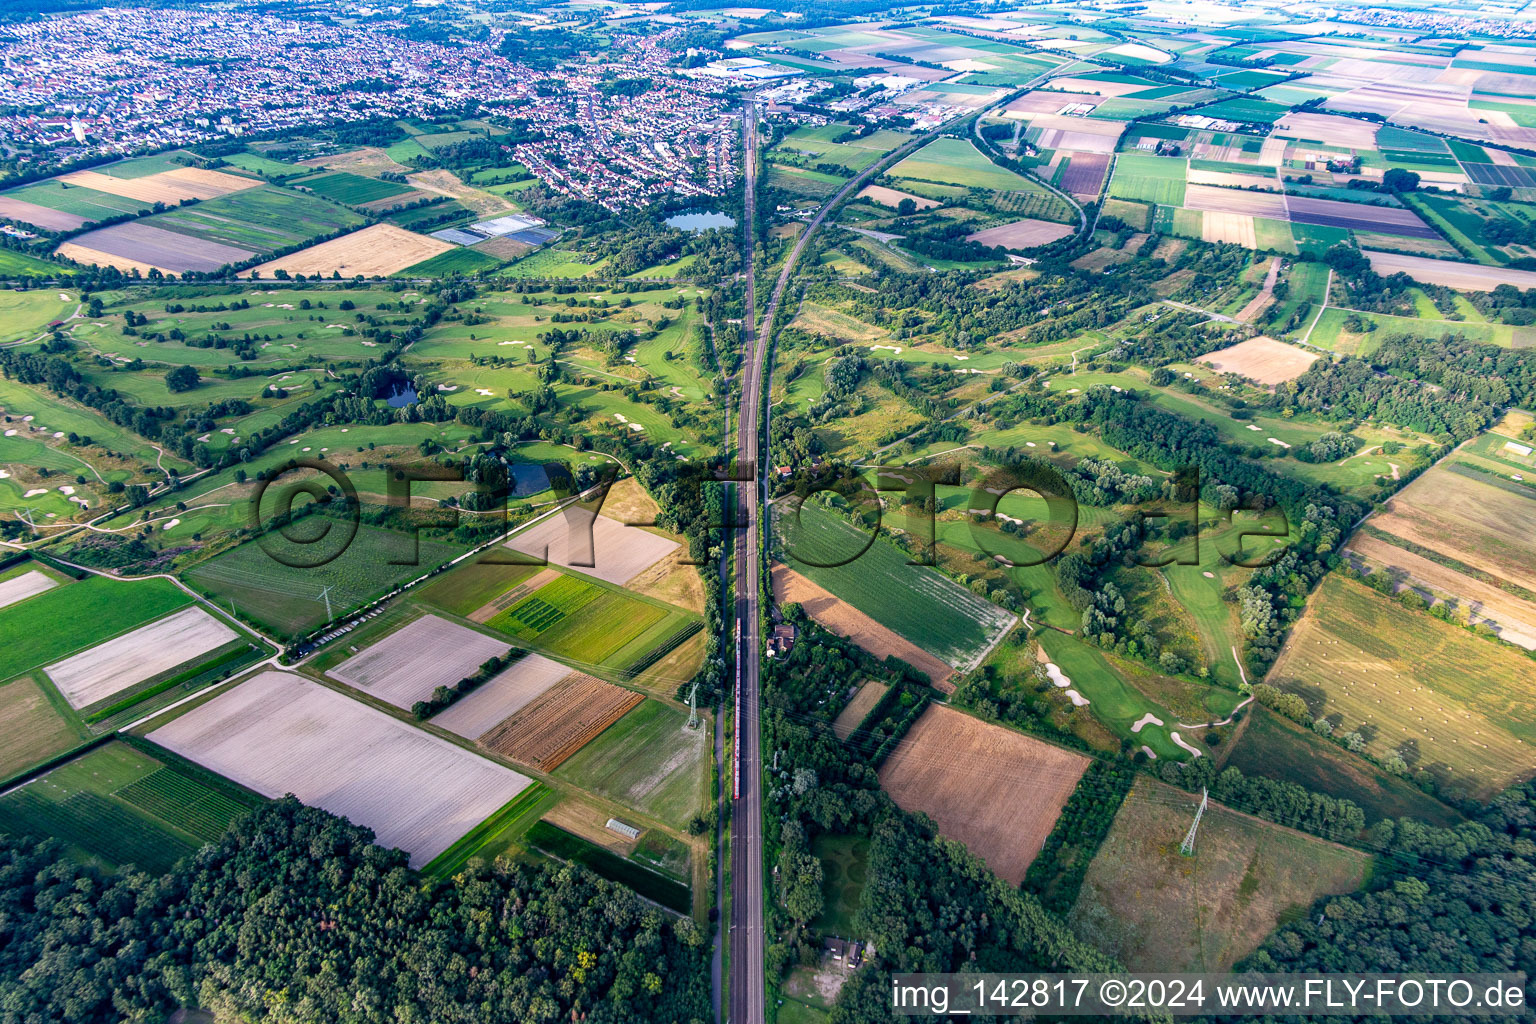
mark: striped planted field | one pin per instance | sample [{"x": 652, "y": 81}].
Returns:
[{"x": 561, "y": 722}]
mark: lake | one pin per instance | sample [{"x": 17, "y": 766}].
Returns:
[{"x": 700, "y": 220}]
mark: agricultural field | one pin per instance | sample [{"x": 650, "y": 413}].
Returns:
[
  {"x": 501, "y": 697},
  {"x": 22, "y": 582},
  {"x": 411, "y": 662},
  {"x": 34, "y": 726},
  {"x": 378, "y": 250},
  {"x": 53, "y": 625},
  {"x": 108, "y": 669},
  {"x": 841, "y": 617},
  {"x": 995, "y": 790},
  {"x": 1433, "y": 695},
  {"x": 118, "y": 806},
  {"x": 352, "y": 189},
  {"x": 593, "y": 625},
  {"x": 596, "y": 546},
  {"x": 562, "y": 720},
  {"x": 259, "y": 219},
  {"x": 1472, "y": 519},
  {"x": 958, "y": 162},
  {"x": 279, "y": 733},
  {"x": 1265, "y": 360},
  {"x": 1277, "y": 748},
  {"x": 857, "y": 709},
  {"x": 648, "y": 760},
  {"x": 1154, "y": 909},
  {"x": 1511, "y": 614},
  {"x": 287, "y": 599},
  {"x": 1470, "y": 277},
  {"x": 139, "y": 245},
  {"x": 916, "y": 602}
]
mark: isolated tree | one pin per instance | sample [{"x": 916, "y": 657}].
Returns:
[
  {"x": 1398, "y": 180},
  {"x": 182, "y": 378}
]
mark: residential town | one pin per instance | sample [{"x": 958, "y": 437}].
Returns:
[{"x": 123, "y": 81}]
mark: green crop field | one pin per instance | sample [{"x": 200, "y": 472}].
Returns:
[
  {"x": 261, "y": 219},
  {"x": 35, "y": 724},
  {"x": 958, "y": 162},
  {"x": 803, "y": 181},
  {"x": 119, "y": 806},
  {"x": 1277, "y": 748},
  {"x": 648, "y": 760},
  {"x": 1149, "y": 179},
  {"x": 473, "y": 585},
  {"x": 562, "y": 845},
  {"x": 496, "y": 834},
  {"x": 352, "y": 189},
  {"x": 1244, "y": 108},
  {"x": 263, "y": 165},
  {"x": 15, "y": 265},
  {"x": 941, "y": 617},
  {"x": 546, "y": 607},
  {"x": 66, "y": 619},
  {"x": 285, "y": 599},
  {"x": 462, "y": 260},
  {"x": 1151, "y": 908},
  {"x": 1412, "y": 685},
  {"x": 77, "y": 199}
]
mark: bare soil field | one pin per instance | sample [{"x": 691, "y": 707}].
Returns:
[
  {"x": 1328, "y": 129},
  {"x": 1231, "y": 200},
  {"x": 892, "y": 198},
  {"x": 1085, "y": 174},
  {"x": 844, "y": 619},
  {"x": 1467, "y": 277},
  {"x": 1262, "y": 359},
  {"x": 503, "y": 247},
  {"x": 849, "y": 718},
  {"x": 561, "y": 721},
  {"x": 486, "y": 204},
  {"x": 39, "y": 216},
  {"x": 375, "y": 251},
  {"x": 367, "y": 161},
  {"x": 1156, "y": 910},
  {"x": 597, "y": 546},
  {"x": 1078, "y": 134},
  {"x": 1236, "y": 228},
  {"x": 108, "y": 668},
  {"x": 1021, "y": 234},
  {"x": 1386, "y": 220},
  {"x": 997, "y": 791},
  {"x": 89, "y": 257},
  {"x": 1473, "y": 522},
  {"x": 168, "y": 187},
  {"x": 1513, "y": 618},
  {"x": 1235, "y": 181},
  {"x": 502, "y": 697},
  {"x": 280, "y": 733},
  {"x": 139, "y": 243},
  {"x": 408, "y": 664},
  {"x": 28, "y": 584}
]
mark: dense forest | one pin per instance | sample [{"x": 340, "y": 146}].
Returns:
[{"x": 296, "y": 916}]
